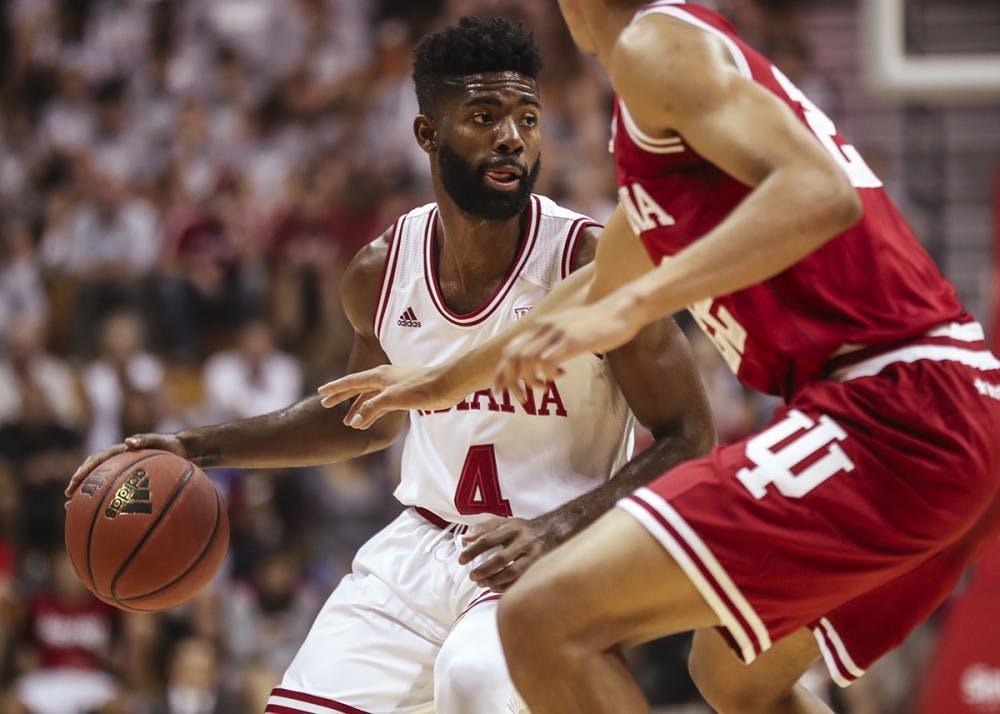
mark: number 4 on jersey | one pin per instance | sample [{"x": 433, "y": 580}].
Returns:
[{"x": 479, "y": 485}]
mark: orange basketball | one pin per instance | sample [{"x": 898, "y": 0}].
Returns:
[{"x": 146, "y": 530}]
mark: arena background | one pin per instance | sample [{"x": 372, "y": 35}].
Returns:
[{"x": 181, "y": 184}]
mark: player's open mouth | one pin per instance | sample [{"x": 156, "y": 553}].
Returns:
[{"x": 503, "y": 179}]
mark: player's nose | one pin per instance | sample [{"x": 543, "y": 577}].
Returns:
[{"x": 508, "y": 137}]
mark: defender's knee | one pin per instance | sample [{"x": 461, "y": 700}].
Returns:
[
  {"x": 531, "y": 641},
  {"x": 732, "y": 695},
  {"x": 525, "y": 618}
]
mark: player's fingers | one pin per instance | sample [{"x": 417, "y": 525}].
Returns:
[
  {"x": 489, "y": 568},
  {"x": 483, "y": 544},
  {"x": 505, "y": 578},
  {"x": 516, "y": 374},
  {"x": 338, "y": 390},
  {"x": 560, "y": 351},
  {"x": 547, "y": 371},
  {"x": 506, "y": 377},
  {"x": 149, "y": 441},
  {"x": 88, "y": 465},
  {"x": 531, "y": 369},
  {"x": 497, "y": 562},
  {"x": 483, "y": 527},
  {"x": 355, "y": 415},
  {"x": 374, "y": 407}
]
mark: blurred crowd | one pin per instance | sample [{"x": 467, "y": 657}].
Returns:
[{"x": 181, "y": 185}]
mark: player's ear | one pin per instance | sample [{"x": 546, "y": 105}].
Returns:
[{"x": 425, "y": 133}]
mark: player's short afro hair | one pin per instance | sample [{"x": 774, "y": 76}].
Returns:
[{"x": 474, "y": 46}]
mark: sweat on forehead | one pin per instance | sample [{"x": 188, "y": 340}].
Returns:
[{"x": 491, "y": 82}]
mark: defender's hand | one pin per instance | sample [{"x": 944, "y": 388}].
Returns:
[
  {"x": 533, "y": 358},
  {"x": 384, "y": 389},
  {"x": 517, "y": 544},
  {"x": 163, "y": 442}
]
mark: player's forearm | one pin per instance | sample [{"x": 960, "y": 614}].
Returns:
[
  {"x": 474, "y": 370},
  {"x": 787, "y": 217},
  {"x": 664, "y": 454},
  {"x": 303, "y": 434}
]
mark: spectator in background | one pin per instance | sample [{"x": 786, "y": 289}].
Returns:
[
  {"x": 193, "y": 683},
  {"x": 124, "y": 384},
  {"x": 22, "y": 294},
  {"x": 213, "y": 279},
  {"x": 106, "y": 246},
  {"x": 41, "y": 422},
  {"x": 28, "y": 369},
  {"x": 66, "y": 648},
  {"x": 255, "y": 378},
  {"x": 265, "y": 621},
  {"x": 325, "y": 222},
  {"x": 67, "y": 122},
  {"x": 7, "y": 595}
]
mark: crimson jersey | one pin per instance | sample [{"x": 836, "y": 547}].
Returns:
[
  {"x": 871, "y": 285},
  {"x": 72, "y": 634}
]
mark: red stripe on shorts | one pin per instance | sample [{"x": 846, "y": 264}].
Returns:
[
  {"x": 311, "y": 699},
  {"x": 705, "y": 573},
  {"x": 485, "y": 597}
]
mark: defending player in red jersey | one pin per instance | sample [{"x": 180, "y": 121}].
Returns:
[{"x": 849, "y": 518}]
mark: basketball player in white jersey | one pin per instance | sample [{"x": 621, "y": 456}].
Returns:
[{"x": 498, "y": 479}]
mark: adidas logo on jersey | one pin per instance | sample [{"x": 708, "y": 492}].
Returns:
[{"x": 408, "y": 318}]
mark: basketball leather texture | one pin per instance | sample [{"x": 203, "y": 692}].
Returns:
[{"x": 146, "y": 530}]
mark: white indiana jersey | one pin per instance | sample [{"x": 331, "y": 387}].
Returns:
[{"x": 496, "y": 455}]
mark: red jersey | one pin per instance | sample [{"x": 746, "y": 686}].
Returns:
[
  {"x": 77, "y": 635},
  {"x": 871, "y": 285}
]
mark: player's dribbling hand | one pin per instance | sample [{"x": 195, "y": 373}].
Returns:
[
  {"x": 516, "y": 542},
  {"x": 387, "y": 388},
  {"x": 533, "y": 358},
  {"x": 163, "y": 442}
]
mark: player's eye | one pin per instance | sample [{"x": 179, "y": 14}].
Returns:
[
  {"x": 482, "y": 118},
  {"x": 529, "y": 120}
]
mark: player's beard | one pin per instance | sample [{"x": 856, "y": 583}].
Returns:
[{"x": 464, "y": 184}]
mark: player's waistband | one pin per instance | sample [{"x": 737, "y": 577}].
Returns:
[
  {"x": 962, "y": 342},
  {"x": 432, "y": 518}
]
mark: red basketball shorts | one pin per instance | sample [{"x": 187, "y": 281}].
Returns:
[{"x": 854, "y": 513}]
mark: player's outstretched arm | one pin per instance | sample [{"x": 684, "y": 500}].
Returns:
[
  {"x": 395, "y": 387},
  {"x": 302, "y": 434},
  {"x": 801, "y": 198},
  {"x": 660, "y": 381}
]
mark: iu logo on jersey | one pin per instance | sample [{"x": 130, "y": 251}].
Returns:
[
  {"x": 814, "y": 454},
  {"x": 642, "y": 211}
]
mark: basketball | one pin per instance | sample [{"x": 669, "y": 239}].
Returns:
[{"x": 146, "y": 530}]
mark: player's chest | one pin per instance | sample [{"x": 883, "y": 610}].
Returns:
[{"x": 422, "y": 328}]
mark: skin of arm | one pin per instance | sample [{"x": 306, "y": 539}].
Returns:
[
  {"x": 747, "y": 132},
  {"x": 394, "y": 387},
  {"x": 304, "y": 433},
  {"x": 657, "y": 375},
  {"x": 677, "y": 78}
]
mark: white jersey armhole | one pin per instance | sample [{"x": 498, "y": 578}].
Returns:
[{"x": 388, "y": 275}]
